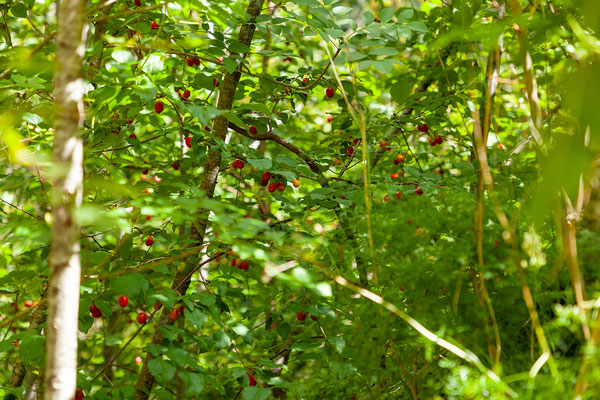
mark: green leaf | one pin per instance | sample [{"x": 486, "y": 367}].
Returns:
[
  {"x": 384, "y": 51},
  {"x": 221, "y": 340},
  {"x": 196, "y": 317},
  {"x": 237, "y": 47},
  {"x": 363, "y": 65},
  {"x": 386, "y": 14},
  {"x": 418, "y": 26},
  {"x": 384, "y": 66},
  {"x": 131, "y": 284},
  {"x": 341, "y": 10},
  {"x": 338, "y": 342},
  {"x": 194, "y": 382},
  {"x": 152, "y": 64},
  {"x": 262, "y": 164},
  {"x": 122, "y": 56},
  {"x": 162, "y": 370},
  {"x": 255, "y": 393},
  {"x": 31, "y": 348},
  {"x": 19, "y": 10},
  {"x": 400, "y": 91},
  {"x": 230, "y": 65}
]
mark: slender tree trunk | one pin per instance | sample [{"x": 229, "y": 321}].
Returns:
[
  {"x": 65, "y": 267},
  {"x": 208, "y": 182}
]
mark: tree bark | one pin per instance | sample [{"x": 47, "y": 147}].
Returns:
[
  {"x": 208, "y": 182},
  {"x": 65, "y": 267}
]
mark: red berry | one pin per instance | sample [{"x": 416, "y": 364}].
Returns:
[
  {"x": 350, "y": 151},
  {"x": 186, "y": 94},
  {"x": 27, "y": 303},
  {"x": 400, "y": 158},
  {"x": 239, "y": 164},
  {"x": 233, "y": 262},
  {"x": 432, "y": 142},
  {"x": 206, "y": 128},
  {"x": 423, "y": 128},
  {"x": 137, "y": 2},
  {"x": 123, "y": 301},
  {"x": 394, "y": 175},
  {"x": 174, "y": 314},
  {"x": 142, "y": 318},
  {"x": 252, "y": 380},
  {"x": 79, "y": 394},
  {"x": 157, "y": 305},
  {"x": 281, "y": 186},
  {"x": 244, "y": 265},
  {"x": 398, "y": 195},
  {"x": 252, "y": 130},
  {"x": 266, "y": 176},
  {"x": 138, "y": 360},
  {"x": 159, "y": 106},
  {"x": 157, "y": 179},
  {"x": 182, "y": 311},
  {"x": 220, "y": 60},
  {"x": 272, "y": 187},
  {"x": 329, "y": 119},
  {"x": 215, "y": 82},
  {"x": 396, "y": 161},
  {"x": 301, "y": 315},
  {"x": 145, "y": 171},
  {"x": 377, "y": 20},
  {"x": 355, "y": 141},
  {"x": 419, "y": 191},
  {"x": 154, "y": 25},
  {"x": 329, "y": 92},
  {"x": 150, "y": 240},
  {"x": 313, "y": 317},
  {"x": 132, "y": 136},
  {"x": 438, "y": 139},
  {"x": 95, "y": 311},
  {"x": 175, "y": 165},
  {"x": 188, "y": 141},
  {"x": 196, "y": 61},
  {"x": 189, "y": 61}
]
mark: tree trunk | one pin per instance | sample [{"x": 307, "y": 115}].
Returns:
[
  {"x": 65, "y": 266},
  {"x": 207, "y": 184}
]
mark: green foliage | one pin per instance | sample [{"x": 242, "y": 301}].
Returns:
[{"x": 397, "y": 68}]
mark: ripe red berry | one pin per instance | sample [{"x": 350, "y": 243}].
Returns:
[
  {"x": 355, "y": 141},
  {"x": 329, "y": 119},
  {"x": 157, "y": 179},
  {"x": 79, "y": 394},
  {"x": 123, "y": 301},
  {"x": 150, "y": 240},
  {"x": 272, "y": 187},
  {"x": 252, "y": 380},
  {"x": 301, "y": 315},
  {"x": 215, "y": 82},
  {"x": 244, "y": 265},
  {"x": 186, "y": 94},
  {"x": 398, "y": 195},
  {"x": 174, "y": 314},
  {"x": 220, "y": 60},
  {"x": 133, "y": 136},
  {"x": 423, "y": 128},
  {"x": 159, "y": 106},
  {"x": 394, "y": 175},
  {"x": 196, "y": 61},
  {"x": 175, "y": 165},
  {"x": 438, "y": 139},
  {"x": 252, "y": 130},
  {"x": 266, "y": 176},
  {"x": 313, "y": 317},
  {"x": 329, "y": 92},
  {"x": 95, "y": 311},
  {"x": 142, "y": 318},
  {"x": 377, "y": 20},
  {"x": 350, "y": 151},
  {"x": 396, "y": 161},
  {"x": 239, "y": 164},
  {"x": 27, "y": 303},
  {"x": 157, "y": 305},
  {"x": 233, "y": 262},
  {"x": 145, "y": 171},
  {"x": 182, "y": 311},
  {"x": 138, "y": 360},
  {"x": 281, "y": 186},
  {"x": 400, "y": 158},
  {"x": 432, "y": 142},
  {"x": 188, "y": 141},
  {"x": 189, "y": 61},
  {"x": 137, "y": 2},
  {"x": 206, "y": 128},
  {"x": 419, "y": 191},
  {"x": 154, "y": 25}
]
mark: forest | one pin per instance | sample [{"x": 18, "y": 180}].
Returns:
[{"x": 310, "y": 199}]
